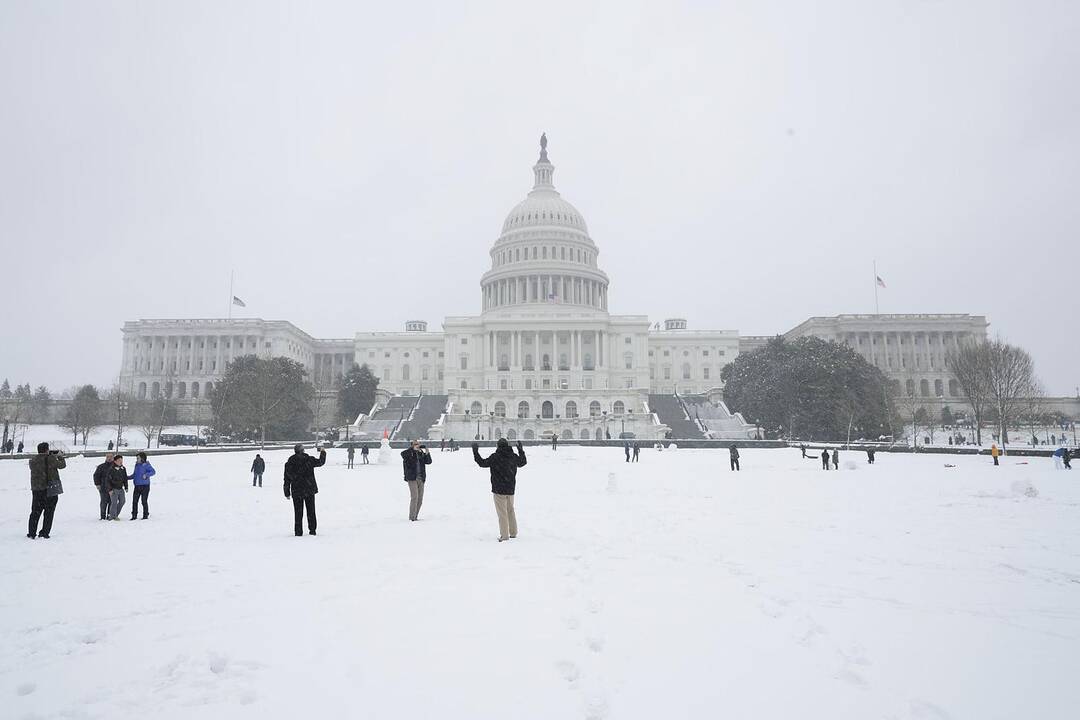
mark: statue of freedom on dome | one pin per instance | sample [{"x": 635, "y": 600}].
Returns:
[{"x": 543, "y": 146}]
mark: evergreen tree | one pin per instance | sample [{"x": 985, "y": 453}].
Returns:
[
  {"x": 5, "y": 390},
  {"x": 808, "y": 388},
  {"x": 356, "y": 391},
  {"x": 265, "y": 398}
]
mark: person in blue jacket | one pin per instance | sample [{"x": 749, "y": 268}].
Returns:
[{"x": 140, "y": 476}]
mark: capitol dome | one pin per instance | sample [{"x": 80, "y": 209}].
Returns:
[{"x": 544, "y": 253}]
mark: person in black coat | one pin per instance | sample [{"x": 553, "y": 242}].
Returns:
[
  {"x": 101, "y": 474},
  {"x": 734, "y": 452},
  {"x": 824, "y": 458},
  {"x": 301, "y": 486},
  {"x": 503, "y": 464},
  {"x": 870, "y": 455},
  {"x": 414, "y": 462},
  {"x": 836, "y": 459},
  {"x": 258, "y": 467}
]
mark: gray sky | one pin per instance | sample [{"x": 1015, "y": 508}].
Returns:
[{"x": 738, "y": 164}]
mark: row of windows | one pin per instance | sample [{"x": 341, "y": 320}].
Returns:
[
  {"x": 182, "y": 388},
  {"x": 686, "y": 353},
  {"x": 687, "y": 372},
  {"x": 924, "y": 388},
  {"x": 504, "y": 257},
  {"x": 547, "y": 409},
  {"x": 425, "y": 353}
]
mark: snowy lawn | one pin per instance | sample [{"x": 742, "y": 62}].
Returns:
[{"x": 668, "y": 589}]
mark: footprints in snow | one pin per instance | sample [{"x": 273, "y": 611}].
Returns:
[{"x": 584, "y": 675}]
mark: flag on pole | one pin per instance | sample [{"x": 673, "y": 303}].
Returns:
[
  {"x": 880, "y": 282},
  {"x": 240, "y": 303}
]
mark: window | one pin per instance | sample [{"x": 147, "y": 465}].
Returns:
[
  {"x": 386, "y": 354},
  {"x": 667, "y": 372},
  {"x": 194, "y": 389},
  {"x": 939, "y": 388},
  {"x": 181, "y": 390},
  {"x": 571, "y": 409},
  {"x": 705, "y": 373},
  {"x": 464, "y": 341},
  {"x": 628, "y": 361},
  {"x": 386, "y": 374},
  {"x": 528, "y": 362},
  {"x": 626, "y": 341},
  {"x": 547, "y": 410},
  {"x": 594, "y": 409},
  {"x": 476, "y": 408},
  {"x": 618, "y": 408},
  {"x": 464, "y": 385},
  {"x": 424, "y": 373},
  {"x": 404, "y": 372},
  {"x": 564, "y": 364},
  {"x": 500, "y": 409},
  {"x": 464, "y": 361},
  {"x": 667, "y": 353},
  {"x": 686, "y": 371},
  {"x": 528, "y": 383},
  {"x": 523, "y": 409},
  {"x": 502, "y": 384},
  {"x": 546, "y": 362},
  {"x": 953, "y": 388},
  {"x": 705, "y": 353},
  {"x": 924, "y": 388}
]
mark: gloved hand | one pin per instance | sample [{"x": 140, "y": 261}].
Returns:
[
  {"x": 287, "y": 494},
  {"x": 476, "y": 446}
]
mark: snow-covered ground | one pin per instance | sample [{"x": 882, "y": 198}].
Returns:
[
  {"x": 668, "y": 589},
  {"x": 96, "y": 439}
]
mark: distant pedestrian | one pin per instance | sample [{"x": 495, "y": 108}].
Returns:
[
  {"x": 442, "y": 444},
  {"x": 733, "y": 451},
  {"x": 118, "y": 485},
  {"x": 836, "y": 459},
  {"x": 626, "y": 449},
  {"x": 258, "y": 467},
  {"x": 110, "y": 446},
  {"x": 1067, "y": 459},
  {"x": 453, "y": 445},
  {"x": 364, "y": 454},
  {"x": 503, "y": 464},
  {"x": 803, "y": 449},
  {"x": 101, "y": 482},
  {"x": 555, "y": 441},
  {"x": 21, "y": 446},
  {"x": 994, "y": 452},
  {"x": 637, "y": 451},
  {"x": 824, "y": 458},
  {"x": 140, "y": 478},
  {"x": 45, "y": 489},
  {"x": 300, "y": 485},
  {"x": 351, "y": 454},
  {"x": 414, "y": 462},
  {"x": 870, "y": 455}
]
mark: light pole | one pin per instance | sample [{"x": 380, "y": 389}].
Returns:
[
  {"x": 491, "y": 425},
  {"x": 121, "y": 408}
]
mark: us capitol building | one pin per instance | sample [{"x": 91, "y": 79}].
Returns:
[{"x": 543, "y": 357}]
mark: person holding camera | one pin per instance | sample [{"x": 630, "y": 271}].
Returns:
[
  {"x": 301, "y": 486},
  {"x": 503, "y": 464},
  {"x": 45, "y": 489},
  {"x": 414, "y": 461}
]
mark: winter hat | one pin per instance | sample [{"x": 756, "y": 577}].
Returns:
[
  {"x": 298, "y": 448},
  {"x": 43, "y": 447}
]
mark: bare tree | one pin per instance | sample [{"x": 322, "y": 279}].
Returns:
[
  {"x": 908, "y": 404},
  {"x": 969, "y": 365},
  {"x": 1010, "y": 376}
]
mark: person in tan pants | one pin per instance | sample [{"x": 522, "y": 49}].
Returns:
[{"x": 503, "y": 465}]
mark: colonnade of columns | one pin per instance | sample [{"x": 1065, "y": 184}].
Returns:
[
  {"x": 567, "y": 289},
  {"x": 511, "y": 349}
]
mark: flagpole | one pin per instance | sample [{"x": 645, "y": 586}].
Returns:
[
  {"x": 231, "y": 293},
  {"x": 877, "y": 310}
]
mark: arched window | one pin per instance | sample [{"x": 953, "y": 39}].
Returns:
[
  {"x": 523, "y": 409},
  {"x": 939, "y": 388},
  {"x": 529, "y": 362},
  {"x": 562, "y": 253},
  {"x": 511, "y": 434},
  {"x": 498, "y": 433},
  {"x": 924, "y": 387},
  {"x": 909, "y": 387},
  {"x": 181, "y": 389},
  {"x": 571, "y": 409},
  {"x": 404, "y": 372},
  {"x": 155, "y": 390},
  {"x": 594, "y": 409},
  {"x": 585, "y": 435},
  {"x": 500, "y": 409},
  {"x": 547, "y": 410},
  {"x": 545, "y": 252},
  {"x": 209, "y": 388},
  {"x": 686, "y": 371},
  {"x": 142, "y": 390},
  {"x": 194, "y": 389},
  {"x": 567, "y": 434},
  {"x": 529, "y": 435},
  {"x": 476, "y": 408},
  {"x": 545, "y": 362},
  {"x": 599, "y": 434},
  {"x": 618, "y": 408},
  {"x": 954, "y": 388}
]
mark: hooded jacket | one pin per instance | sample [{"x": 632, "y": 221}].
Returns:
[
  {"x": 45, "y": 470},
  {"x": 142, "y": 473},
  {"x": 503, "y": 464}
]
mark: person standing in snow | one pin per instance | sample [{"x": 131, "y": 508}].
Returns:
[
  {"x": 351, "y": 455},
  {"x": 101, "y": 482},
  {"x": 870, "y": 455},
  {"x": 503, "y": 465},
  {"x": 117, "y": 480},
  {"x": 637, "y": 451},
  {"x": 414, "y": 462},
  {"x": 258, "y": 467},
  {"x": 300, "y": 485},
  {"x": 734, "y": 452},
  {"x": 555, "y": 441},
  {"x": 364, "y": 454},
  {"x": 836, "y": 458},
  {"x": 45, "y": 489},
  {"x": 1066, "y": 458},
  {"x": 803, "y": 449},
  {"x": 824, "y": 458},
  {"x": 140, "y": 478},
  {"x": 626, "y": 449},
  {"x": 994, "y": 452},
  {"x": 21, "y": 446}
]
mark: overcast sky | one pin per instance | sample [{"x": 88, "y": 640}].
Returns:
[{"x": 739, "y": 164}]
